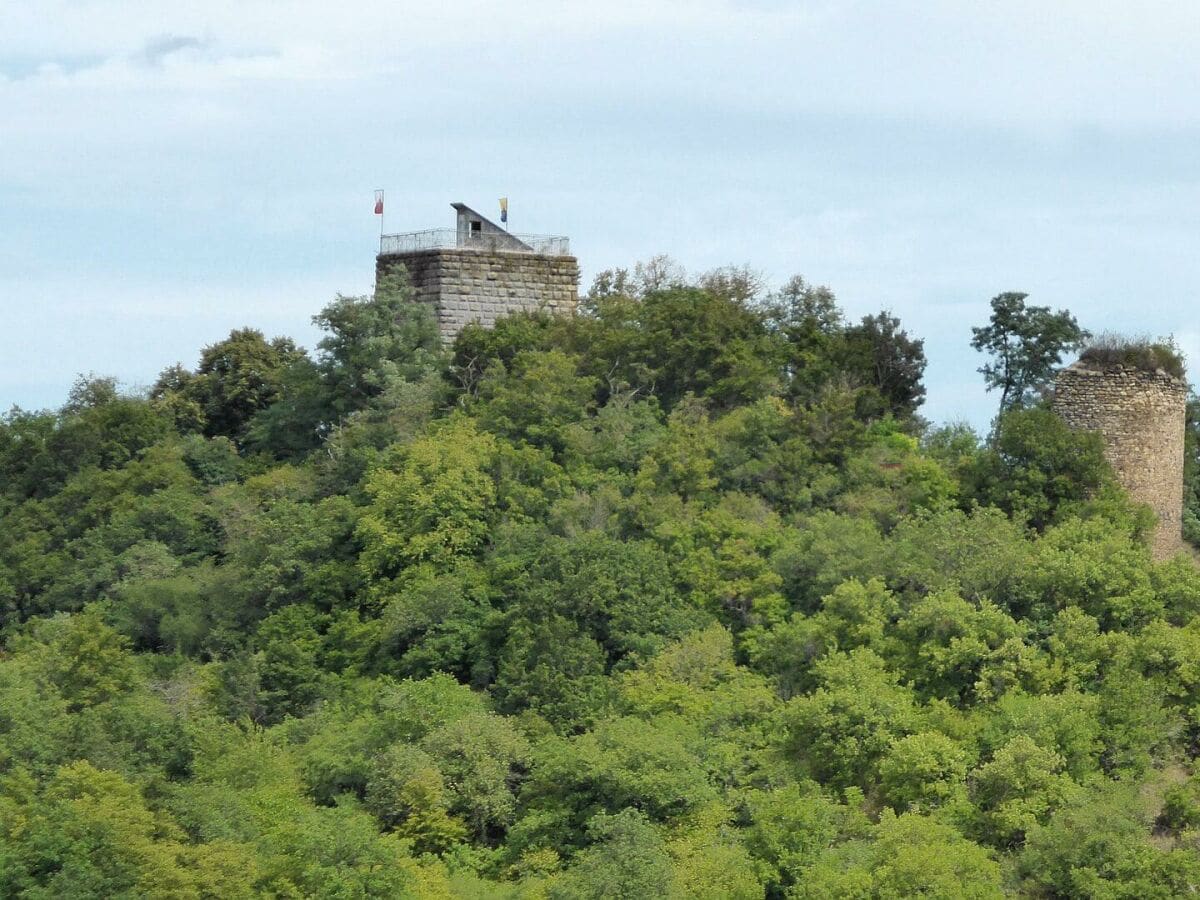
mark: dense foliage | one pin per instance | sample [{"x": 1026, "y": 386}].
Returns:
[{"x": 675, "y": 598}]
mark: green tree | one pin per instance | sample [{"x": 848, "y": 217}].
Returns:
[
  {"x": 923, "y": 772},
  {"x": 710, "y": 863},
  {"x": 288, "y": 669},
  {"x": 86, "y": 660},
  {"x": 912, "y": 856},
  {"x": 408, "y": 793},
  {"x": 237, "y": 378},
  {"x": 89, "y": 834},
  {"x": 809, "y": 319},
  {"x": 962, "y": 652},
  {"x": 432, "y": 505},
  {"x": 627, "y": 860},
  {"x": 839, "y": 733},
  {"x": 1019, "y": 788},
  {"x": 889, "y": 361},
  {"x": 1191, "y": 476},
  {"x": 98, "y": 426},
  {"x": 537, "y": 398},
  {"x": 623, "y": 762},
  {"x": 438, "y": 623},
  {"x": 792, "y": 826},
  {"x": 551, "y": 666},
  {"x": 483, "y": 758},
  {"x": 1101, "y": 846},
  {"x": 297, "y": 418},
  {"x": 372, "y": 340},
  {"x": 1036, "y": 468},
  {"x": 1026, "y": 343},
  {"x": 680, "y": 340}
]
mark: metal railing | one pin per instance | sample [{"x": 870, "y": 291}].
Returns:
[{"x": 450, "y": 239}]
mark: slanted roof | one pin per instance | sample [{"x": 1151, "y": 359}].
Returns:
[{"x": 497, "y": 236}]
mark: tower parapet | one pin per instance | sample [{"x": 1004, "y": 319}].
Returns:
[
  {"x": 1140, "y": 414},
  {"x": 478, "y": 272}
]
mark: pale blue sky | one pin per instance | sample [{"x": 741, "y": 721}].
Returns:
[{"x": 170, "y": 171}]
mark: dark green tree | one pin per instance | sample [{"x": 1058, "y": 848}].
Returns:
[
  {"x": 883, "y": 355},
  {"x": 680, "y": 340},
  {"x": 236, "y": 378}
]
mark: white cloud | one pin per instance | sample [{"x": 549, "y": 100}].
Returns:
[{"x": 1000, "y": 62}]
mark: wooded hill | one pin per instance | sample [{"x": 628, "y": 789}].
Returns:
[{"x": 675, "y": 598}]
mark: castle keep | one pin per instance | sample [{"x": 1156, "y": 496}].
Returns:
[
  {"x": 478, "y": 272},
  {"x": 1141, "y": 417}
]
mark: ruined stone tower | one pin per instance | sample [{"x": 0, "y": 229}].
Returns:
[
  {"x": 478, "y": 272},
  {"x": 1141, "y": 416}
]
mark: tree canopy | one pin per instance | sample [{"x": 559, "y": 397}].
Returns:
[{"x": 679, "y": 597}]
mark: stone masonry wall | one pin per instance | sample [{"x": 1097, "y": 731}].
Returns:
[
  {"x": 1141, "y": 417},
  {"x": 481, "y": 286}
]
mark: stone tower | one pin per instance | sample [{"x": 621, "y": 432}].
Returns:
[
  {"x": 478, "y": 272},
  {"x": 1141, "y": 416}
]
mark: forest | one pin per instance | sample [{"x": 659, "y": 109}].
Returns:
[{"x": 678, "y": 597}]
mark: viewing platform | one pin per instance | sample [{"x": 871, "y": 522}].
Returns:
[{"x": 484, "y": 241}]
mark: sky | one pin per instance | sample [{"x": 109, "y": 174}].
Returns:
[{"x": 170, "y": 171}]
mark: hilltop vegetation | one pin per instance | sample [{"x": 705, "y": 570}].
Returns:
[{"x": 676, "y": 598}]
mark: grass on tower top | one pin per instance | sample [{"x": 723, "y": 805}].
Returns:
[{"x": 1109, "y": 351}]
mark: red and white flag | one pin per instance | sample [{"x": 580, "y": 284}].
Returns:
[{"x": 379, "y": 203}]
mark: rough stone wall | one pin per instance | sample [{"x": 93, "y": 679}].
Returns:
[
  {"x": 1141, "y": 417},
  {"x": 481, "y": 286}
]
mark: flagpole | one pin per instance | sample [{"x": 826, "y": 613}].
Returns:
[{"x": 379, "y": 211}]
